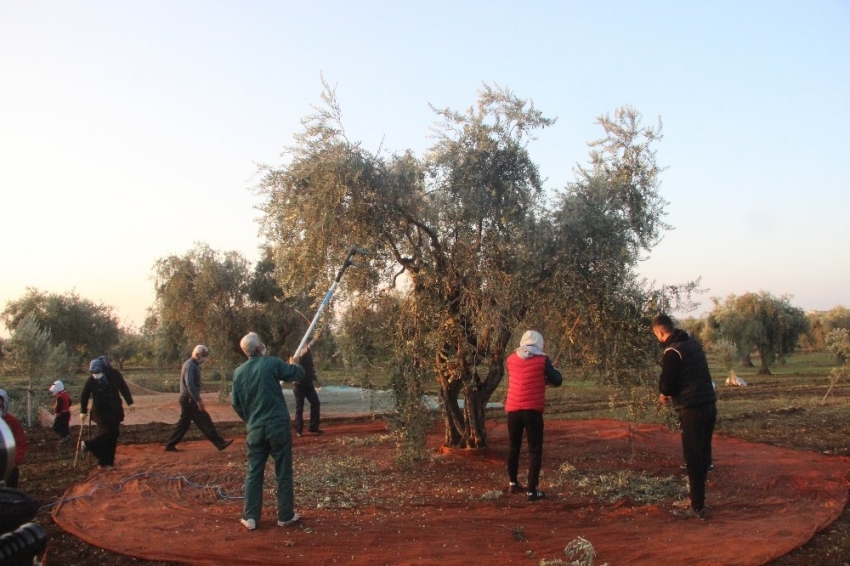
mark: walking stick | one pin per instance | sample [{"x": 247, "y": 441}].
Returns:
[{"x": 79, "y": 440}]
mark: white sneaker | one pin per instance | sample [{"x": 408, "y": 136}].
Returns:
[
  {"x": 83, "y": 445},
  {"x": 295, "y": 518},
  {"x": 249, "y": 524}
]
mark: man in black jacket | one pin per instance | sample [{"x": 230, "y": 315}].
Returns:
[{"x": 686, "y": 381}]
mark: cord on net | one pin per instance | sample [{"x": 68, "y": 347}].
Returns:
[{"x": 217, "y": 488}]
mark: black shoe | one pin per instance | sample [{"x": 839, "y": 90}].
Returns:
[
  {"x": 317, "y": 431},
  {"x": 225, "y": 444},
  {"x": 710, "y": 468},
  {"x": 515, "y": 487},
  {"x": 534, "y": 495},
  {"x": 169, "y": 448}
]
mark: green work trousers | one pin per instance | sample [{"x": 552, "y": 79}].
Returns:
[{"x": 265, "y": 440}]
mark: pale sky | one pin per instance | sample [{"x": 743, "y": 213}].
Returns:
[{"x": 131, "y": 130}]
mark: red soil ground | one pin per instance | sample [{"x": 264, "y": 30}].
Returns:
[{"x": 763, "y": 502}]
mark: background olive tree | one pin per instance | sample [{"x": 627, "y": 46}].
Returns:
[
  {"x": 760, "y": 321},
  {"x": 30, "y": 352},
  {"x": 482, "y": 252},
  {"x": 214, "y": 298},
  {"x": 86, "y": 329}
]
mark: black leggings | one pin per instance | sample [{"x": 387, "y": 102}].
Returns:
[{"x": 532, "y": 423}]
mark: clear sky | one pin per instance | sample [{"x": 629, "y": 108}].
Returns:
[{"x": 131, "y": 130}]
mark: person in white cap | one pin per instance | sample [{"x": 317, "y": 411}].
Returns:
[
  {"x": 529, "y": 372},
  {"x": 192, "y": 408},
  {"x": 61, "y": 410}
]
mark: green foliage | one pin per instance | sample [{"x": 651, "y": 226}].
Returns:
[
  {"x": 822, "y": 323},
  {"x": 725, "y": 352},
  {"x": 769, "y": 324},
  {"x": 837, "y": 341},
  {"x": 87, "y": 329},
  {"x": 484, "y": 256},
  {"x": 31, "y": 353},
  {"x": 130, "y": 345},
  {"x": 201, "y": 299},
  {"x": 215, "y": 298},
  {"x": 367, "y": 332}
]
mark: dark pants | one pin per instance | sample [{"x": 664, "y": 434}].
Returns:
[
  {"x": 697, "y": 424},
  {"x": 191, "y": 413},
  {"x": 104, "y": 444},
  {"x": 60, "y": 425},
  {"x": 300, "y": 393},
  {"x": 12, "y": 481},
  {"x": 532, "y": 423},
  {"x": 273, "y": 440}
]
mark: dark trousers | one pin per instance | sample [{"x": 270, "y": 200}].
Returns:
[
  {"x": 104, "y": 444},
  {"x": 697, "y": 424},
  {"x": 191, "y": 413},
  {"x": 12, "y": 481},
  {"x": 300, "y": 393},
  {"x": 273, "y": 440},
  {"x": 61, "y": 425},
  {"x": 530, "y": 422}
]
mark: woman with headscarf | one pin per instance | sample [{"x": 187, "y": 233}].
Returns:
[
  {"x": 105, "y": 386},
  {"x": 529, "y": 372}
]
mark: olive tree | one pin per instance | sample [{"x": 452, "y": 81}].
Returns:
[
  {"x": 30, "y": 352},
  {"x": 761, "y": 321},
  {"x": 201, "y": 298},
  {"x": 468, "y": 228},
  {"x": 87, "y": 329},
  {"x": 215, "y": 298}
]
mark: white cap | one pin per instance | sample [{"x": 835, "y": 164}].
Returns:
[{"x": 57, "y": 387}]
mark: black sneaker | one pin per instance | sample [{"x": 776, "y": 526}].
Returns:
[
  {"x": 515, "y": 487},
  {"x": 170, "y": 448},
  {"x": 534, "y": 495},
  {"x": 225, "y": 444},
  {"x": 317, "y": 431}
]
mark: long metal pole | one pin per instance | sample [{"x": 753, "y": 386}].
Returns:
[{"x": 327, "y": 298}]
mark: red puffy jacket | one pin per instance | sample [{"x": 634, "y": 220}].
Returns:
[{"x": 526, "y": 383}]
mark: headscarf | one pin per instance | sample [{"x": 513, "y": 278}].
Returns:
[
  {"x": 99, "y": 365},
  {"x": 57, "y": 387},
  {"x": 531, "y": 344}
]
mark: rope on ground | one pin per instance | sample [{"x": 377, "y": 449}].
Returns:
[{"x": 215, "y": 487}]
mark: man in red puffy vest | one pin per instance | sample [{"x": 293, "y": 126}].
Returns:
[{"x": 529, "y": 372}]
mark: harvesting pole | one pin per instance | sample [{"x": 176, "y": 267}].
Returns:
[{"x": 348, "y": 263}]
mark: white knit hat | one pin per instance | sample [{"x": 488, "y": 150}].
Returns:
[{"x": 532, "y": 338}]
